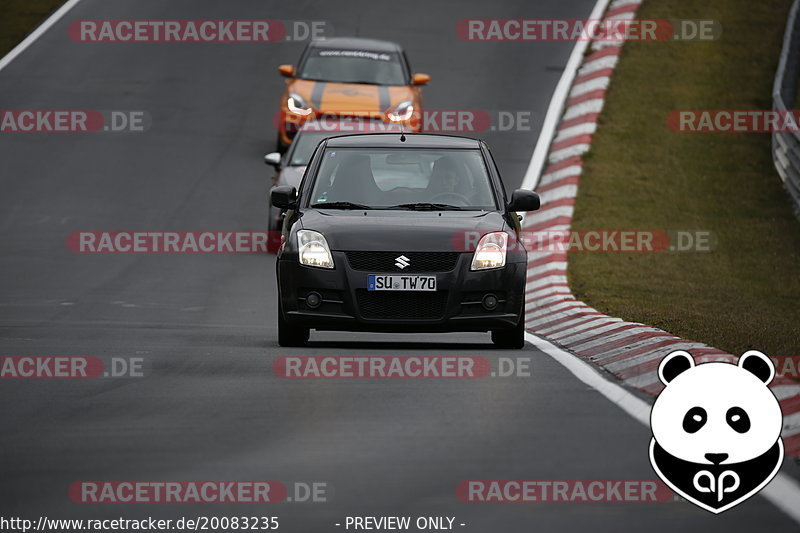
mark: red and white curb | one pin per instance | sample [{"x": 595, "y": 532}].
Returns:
[{"x": 630, "y": 351}]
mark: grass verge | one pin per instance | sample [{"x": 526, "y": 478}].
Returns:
[
  {"x": 20, "y": 17},
  {"x": 641, "y": 175}
]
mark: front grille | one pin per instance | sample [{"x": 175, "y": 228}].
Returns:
[
  {"x": 417, "y": 261},
  {"x": 390, "y": 304}
]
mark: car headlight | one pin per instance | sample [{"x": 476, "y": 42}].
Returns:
[
  {"x": 401, "y": 112},
  {"x": 491, "y": 251},
  {"x": 313, "y": 249},
  {"x": 297, "y": 104}
]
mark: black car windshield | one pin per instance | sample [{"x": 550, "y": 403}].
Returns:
[
  {"x": 410, "y": 178},
  {"x": 303, "y": 147},
  {"x": 354, "y": 66}
]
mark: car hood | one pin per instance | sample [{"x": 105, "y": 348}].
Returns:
[
  {"x": 350, "y": 98},
  {"x": 401, "y": 231}
]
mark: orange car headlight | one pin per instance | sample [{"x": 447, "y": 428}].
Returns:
[
  {"x": 298, "y": 105},
  {"x": 401, "y": 112}
]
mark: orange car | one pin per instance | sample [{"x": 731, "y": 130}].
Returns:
[{"x": 350, "y": 77}]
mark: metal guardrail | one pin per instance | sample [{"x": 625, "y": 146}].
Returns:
[{"x": 786, "y": 145}]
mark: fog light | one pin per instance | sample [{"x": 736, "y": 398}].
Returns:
[
  {"x": 489, "y": 302},
  {"x": 313, "y": 300}
]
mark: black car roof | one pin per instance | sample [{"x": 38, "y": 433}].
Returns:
[
  {"x": 356, "y": 43},
  {"x": 392, "y": 140}
]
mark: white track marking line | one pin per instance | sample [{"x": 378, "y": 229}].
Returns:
[
  {"x": 636, "y": 407},
  {"x": 38, "y": 32}
]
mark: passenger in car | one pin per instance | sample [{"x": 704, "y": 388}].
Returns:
[{"x": 354, "y": 182}]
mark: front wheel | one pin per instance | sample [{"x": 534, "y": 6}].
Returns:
[
  {"x": 513, "y": 338},
  {"x": 290, "y": 336}
]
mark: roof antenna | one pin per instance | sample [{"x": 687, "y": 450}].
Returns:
[{"x": 402, "y": 134}]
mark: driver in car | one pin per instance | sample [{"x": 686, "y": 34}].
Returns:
[{"x": 445, "y": 178}]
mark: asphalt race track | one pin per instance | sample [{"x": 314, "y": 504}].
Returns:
[{"x": 209, "y": 406}]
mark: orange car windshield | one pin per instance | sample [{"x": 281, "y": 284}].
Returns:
[{"x": 354, "y": 66}]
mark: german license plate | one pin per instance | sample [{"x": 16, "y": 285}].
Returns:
[{"x": 388, "y": 282}]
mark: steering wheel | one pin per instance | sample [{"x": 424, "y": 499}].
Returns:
[{"x": 460, "y": 197}]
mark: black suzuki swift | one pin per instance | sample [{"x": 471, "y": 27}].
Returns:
[{"x": 401, "y": 233}]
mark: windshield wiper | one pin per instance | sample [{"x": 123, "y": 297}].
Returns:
[
  {"x": 427, "y": 206},
  {"x": 340, "y": 205}
]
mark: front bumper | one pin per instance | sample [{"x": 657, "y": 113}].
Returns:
[{"x": 346, "y": 305}]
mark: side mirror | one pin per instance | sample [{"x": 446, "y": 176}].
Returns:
[
  {"x": 284, "y": 197},
  {"x": 286, "y": 71},
  {"x": 524, "y": 200},
  {"x": 273, "y": 159},
  {"x": 420, "y": 79}
]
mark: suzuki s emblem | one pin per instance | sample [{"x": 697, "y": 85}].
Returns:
[{"x": 401, "y": 262}]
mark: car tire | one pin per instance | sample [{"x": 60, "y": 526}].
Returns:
[
  {"x": 290, "y": 336},
  {"x": 512, "y": 339}
]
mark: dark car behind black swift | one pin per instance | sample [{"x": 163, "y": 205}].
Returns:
[{"x": 401, "y": 233}]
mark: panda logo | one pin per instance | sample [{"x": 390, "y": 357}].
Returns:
[{"x": 716, "y": 429}]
